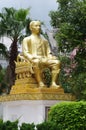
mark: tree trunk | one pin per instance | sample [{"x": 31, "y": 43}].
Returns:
[{"x": 12, "y": 58}]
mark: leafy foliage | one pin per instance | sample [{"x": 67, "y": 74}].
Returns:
[
  {"x": 70, "y": 18},
  {"x": 46, "y": 126},
  {"x": 12, "y": 25},
  {"x": 3, "y": 50},
  {"x": 27, "y": 126},
  {"x": 8, "y": 125},
  {"x": 69, "y": 115},
  {"x": 46, "y": 75},
  {"x": 3, "y": 84},
  {"x": 1, "y": 124},
  {"x": 72, "y": 78}
]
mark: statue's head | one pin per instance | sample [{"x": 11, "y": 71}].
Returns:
[{"x": 35, "y": 27}]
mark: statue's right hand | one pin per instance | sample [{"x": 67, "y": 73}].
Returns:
[
  {"x": 35, "y": 61},
  {"x": 36, "y": 57}
]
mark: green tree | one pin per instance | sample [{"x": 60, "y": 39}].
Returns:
[
  {"x": 12, "y": 25},
  {"x": 3, "y": 50},
  {"x": 3, "y": 83},
  {"x": 3, "y": 53},
  {"x": 70, "y": 18}
]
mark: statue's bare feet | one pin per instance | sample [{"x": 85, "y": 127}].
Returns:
[
  {"x": 54, "y": 85},
  {"x": 41, "y": 85}
]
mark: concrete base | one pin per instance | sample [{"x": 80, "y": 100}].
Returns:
[
  {"x": 27, "y": 111},
  {"x": 32, "y": 105}
]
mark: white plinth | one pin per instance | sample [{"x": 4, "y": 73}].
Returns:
[
  {"x": 32, "y": 105},
  {"x": 27, "y": 111}
]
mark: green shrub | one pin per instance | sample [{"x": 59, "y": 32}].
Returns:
[
  {"x": 46, "y": 126},
  {"x": 27, "y": 126},
  {"x": 8, "y": 125},
  {"x": 46, "y": 75},
  {"x": 69, "y": 115},
  {"x": 1, "y": 124}
]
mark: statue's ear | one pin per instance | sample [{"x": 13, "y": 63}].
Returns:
[{"x": 30, "y": 28}]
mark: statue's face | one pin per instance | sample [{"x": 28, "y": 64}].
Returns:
[{"x": 36, "y": 27}]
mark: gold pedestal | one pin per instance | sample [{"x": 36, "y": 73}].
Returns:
[
  {"x": 29, "y": 92},
  {"x": 38, "y": 94},
  {"x": 26, "y": 87}
]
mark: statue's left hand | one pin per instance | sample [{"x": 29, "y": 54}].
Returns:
[
  {"x": 36, "y": 57},
  {"x": 52, "y": 57}
]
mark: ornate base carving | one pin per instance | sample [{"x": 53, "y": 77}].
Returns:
[
  {"x": 29, "y": 88},
  {"x": 38, "y": 94}
]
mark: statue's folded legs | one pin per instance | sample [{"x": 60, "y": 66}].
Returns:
[{"x": 54, "y": 66}]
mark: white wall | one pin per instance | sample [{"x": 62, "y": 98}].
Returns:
[{"x": 27, "y": 111}]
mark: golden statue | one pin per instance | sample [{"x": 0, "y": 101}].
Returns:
[
  {"x": 30, "y": 65},
  {"x": 37, "y": 51}
]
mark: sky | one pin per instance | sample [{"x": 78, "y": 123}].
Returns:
[
  {"x": 39, "y": 11},
  {"x": 39, "y": 8}
]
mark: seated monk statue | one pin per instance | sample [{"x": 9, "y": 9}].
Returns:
[{"x": 37, "y": 51}]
